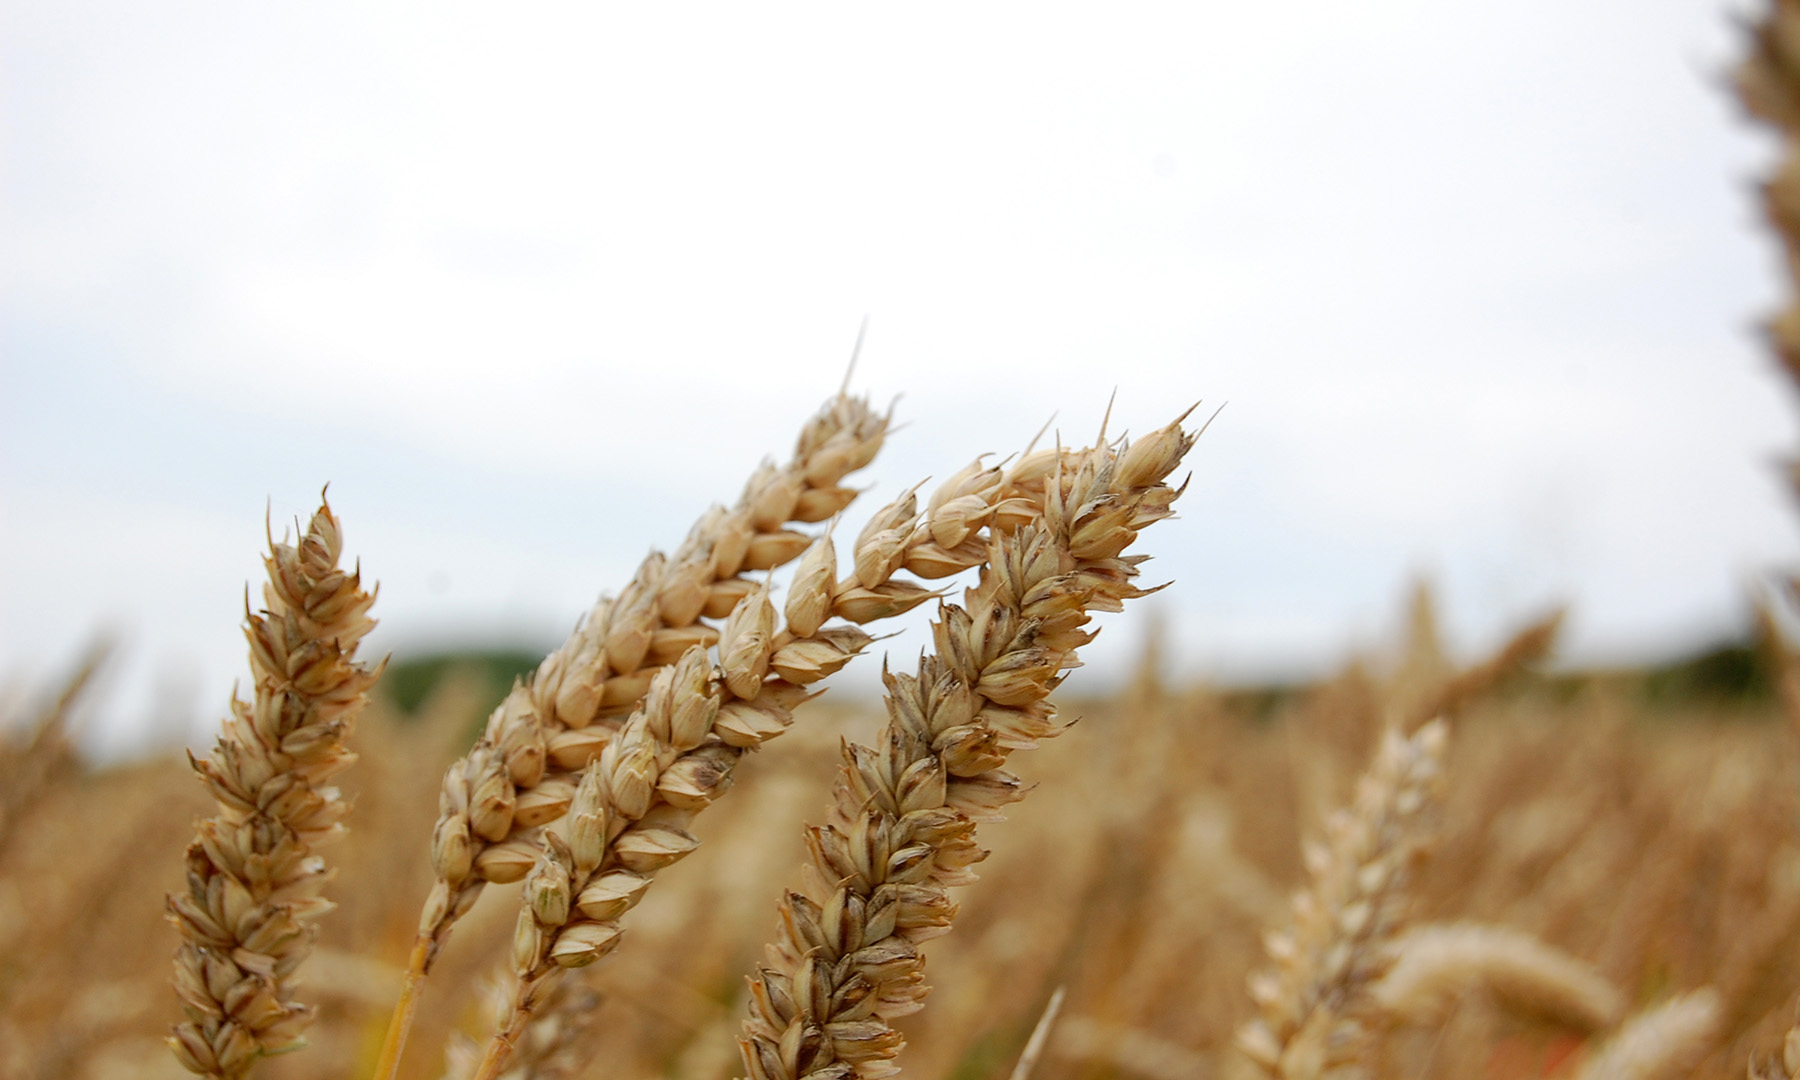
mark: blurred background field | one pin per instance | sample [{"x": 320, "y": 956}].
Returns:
[{"x": 1643, "y": 821}]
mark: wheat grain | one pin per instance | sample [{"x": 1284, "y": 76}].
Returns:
[{"x": 253, "y": 882}]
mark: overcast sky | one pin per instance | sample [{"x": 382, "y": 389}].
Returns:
[{"x": 531, "y": 285}]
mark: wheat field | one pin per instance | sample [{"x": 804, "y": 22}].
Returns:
[
  {"x": 1651, "y": 843},
  {"x": 1415, "y": 868}
]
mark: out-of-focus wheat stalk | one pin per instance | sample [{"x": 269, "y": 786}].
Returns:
[
  {"x": 253, "y": 880},
  {"x": 1665, "y": 1041},
  {"x": 1315, "y": 1000},
  {"x": 1768, "y": 83},
  {"x": 1128, "y": 1049},
  {"x": 46, "y": 753},
  {"x": 903, "y": 815},
  {"x": 554, "y": 1047},
  {"x": 1526, "y": 647},
  {"x": 1437, "y": 965}
]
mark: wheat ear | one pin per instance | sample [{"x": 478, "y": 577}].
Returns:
[
  {"x": 1314, "y": 1000},
  {"x": 1436, "y": 965},
  {"x": 903, "y": 816},
  {"x": 1769, "y": 85},
  {"x": 631, "y": 809},
  {"x": 521, "y": 773},
  {"x": 253, "y": 881},
  {"x": 1663, "y": 1042}
]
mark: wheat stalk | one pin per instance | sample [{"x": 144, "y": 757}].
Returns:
[
  {"x": 1665, "y": 1041},
  {"x": 522, "y": 772},
  {"x": 1129, "y": 1050},
  {"x": 1436, "y": 965},
  {"x": 253, "y": 882},
  {"x": 903, "y": 816},
  {"x": 1768, "y": 83},
  {"x": 1528, "y": 646},
  {"x": 46, "y": 754},
  {"x": 631, "y": 810},
  {"x": 555, "y": 1046},
  {"x": 1314, "y": 999}
]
